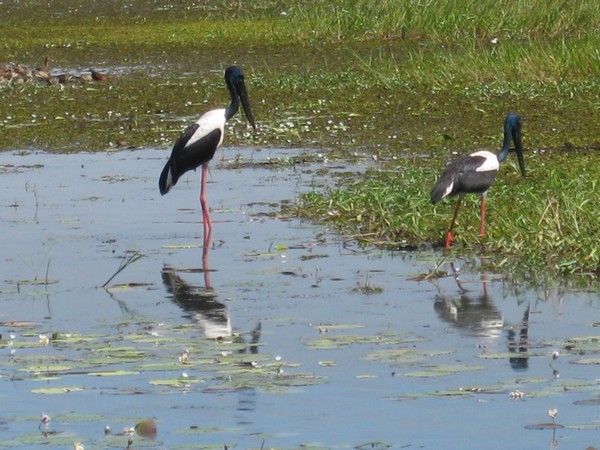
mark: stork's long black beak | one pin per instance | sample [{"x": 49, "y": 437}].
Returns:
[
  {"x": 243, "y": 93},
  {"x": 519, "y": 151}
]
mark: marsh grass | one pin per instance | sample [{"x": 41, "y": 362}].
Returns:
[
  {"x": 546, "y": 223},
  {"x": 415, "y": 61},
  {"x": 389, "y": 79},
  {"x": 446, "y": 20},
  {"x": 552, "y": 221}
]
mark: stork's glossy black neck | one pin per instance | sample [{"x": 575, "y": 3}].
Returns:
[
  {"x": 512, "y": 131},
  {"x": 234, "y": 77},
  {"x": 235, "y": 101}
]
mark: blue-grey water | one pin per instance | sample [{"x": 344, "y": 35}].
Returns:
[{"x": 68, "y": 221}]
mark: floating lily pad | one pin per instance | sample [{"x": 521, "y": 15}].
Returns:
[
  {"x": 68, "y": 220},
  {"x": 175, "y": 382},
  {"x": 373, "y": 446},
  {"x": 72, "y": 338},
  {"x": 269, "y": 383},
  {"x": 20, "y": 344},
  {"x": 579, "y": 339},
  {"x": 58, "y": 390},
  {"x": 35, "y": 282},
  {"x": 583, "y": 345},
  {"x": 19, "y": 324},
  {"x": 114, "y": 373},
  {"x": 58, "y": 439},
  {"x": 337, "y": 341},
  {"x": 46, "y": 368},
  {"x": 181, "y": 246},
  {"x": 572, "y": 384},
  {"x": 79, "y": 417},
  {"x": 501, "y": 355},
  {"x": 439, "y": 393},
  {"x": 306, "y": 379},
  {"x": 544, "y": 426},
  {"x": 175, "y": 365},
  {"x": 403, "y": 356},
  {"x": 327, "y": 363},
  {"x": 442, "y": 371},
  {"x": 367, "y": 289},
  {"x": 338, "y": 326},
  {"x": 586, "y": 361},
  {"x": 529, "y": 380}
]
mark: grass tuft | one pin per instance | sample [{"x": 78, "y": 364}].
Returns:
[{"x": 545, "y": 222}]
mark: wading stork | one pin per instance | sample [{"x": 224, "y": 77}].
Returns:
[
  {"x": 199, "y": 142},
  {"x": 475, "y": 173}
]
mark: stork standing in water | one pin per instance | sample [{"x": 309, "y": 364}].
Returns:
[
  {"x": 475, "y": 173},
  {"x": 199, "y": 142}
]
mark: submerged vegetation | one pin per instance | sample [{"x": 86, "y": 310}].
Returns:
[{"x": 409, "y": 83}]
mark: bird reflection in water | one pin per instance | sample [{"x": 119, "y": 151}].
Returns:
[
  {"x": 477, "y": 312},
  {"x": 199, "y": 302},
  {"x": 202, "y": 305},
  {"x": 471, "y": 311},
  {"x": 518, "y": 343}
]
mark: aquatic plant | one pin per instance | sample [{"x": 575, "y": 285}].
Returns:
[{"x": 547, "y": 221}]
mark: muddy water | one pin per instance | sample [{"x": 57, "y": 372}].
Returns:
[{"x": 336, "y": 346}]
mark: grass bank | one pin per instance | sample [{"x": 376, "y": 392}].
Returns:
[{"x": 545, "y": 223}]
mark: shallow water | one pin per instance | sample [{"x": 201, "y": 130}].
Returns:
[{"x": 350, "y": 350}]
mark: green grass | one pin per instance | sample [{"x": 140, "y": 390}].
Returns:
[
  {"x": 447, "y": 20},
  {"x": 546, "y": 222},
  {"x": 411, "y": 83}
]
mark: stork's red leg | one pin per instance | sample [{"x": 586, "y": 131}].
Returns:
[
  {"x": 482, "y": 220},
  {"x": 206, "y": 222},
  {"x": 449, "y": 236},
  {"x": 205, "y": 268},
  {"x": 207, "y": 227}
]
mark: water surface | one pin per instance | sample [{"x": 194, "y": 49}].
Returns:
[{"x": 322, "y": 343}]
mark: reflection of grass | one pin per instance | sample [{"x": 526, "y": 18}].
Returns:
[
  {"x": 37, "y": 279},
  {"x": 125, "y": 262}
]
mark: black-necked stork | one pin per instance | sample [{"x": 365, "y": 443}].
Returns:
[
  {"x": 476, "y": 172},
  {"x": 199, "y": 142}
]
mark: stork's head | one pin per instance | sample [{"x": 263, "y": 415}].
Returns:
[
  {"x": 512, "y": 132},
  {"x": 234, "y": 77}
]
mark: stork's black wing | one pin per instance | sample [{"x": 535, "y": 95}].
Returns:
[
  {"x": 461, "y": 177},
  {"x": 190, "y": 156}
]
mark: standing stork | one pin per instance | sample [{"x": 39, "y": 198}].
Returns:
[
  {"x": 199, "y": 142},
  {"x": 475, "y": 173}
]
